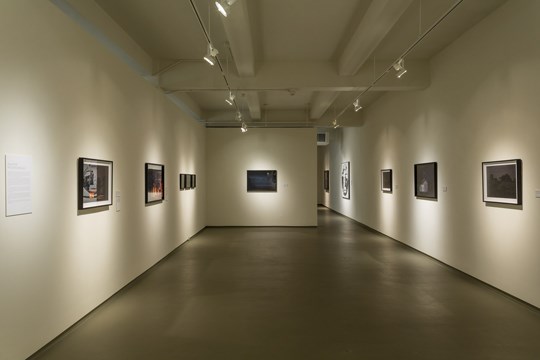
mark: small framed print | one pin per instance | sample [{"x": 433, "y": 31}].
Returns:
[
  {"x": 501, "y": 182},
  {"x": 154, "y": 183},
  {"x": 182, "y": 181},
  {"x": 188, "y": 182},
  {"x": 326, "y": 180},
  {"x": 345, "y": 180},
  {"x": 95, "y": 183},
  {"x": 193, "y": 181},
  {"x": 425, "y": 180},
  {"x": 386, "y": 180}
]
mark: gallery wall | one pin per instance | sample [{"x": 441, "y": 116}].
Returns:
[
  {"x": 482, "y": 105},
  {"x": 230, "y": 153},
  {"x": 63, "y": 96}
]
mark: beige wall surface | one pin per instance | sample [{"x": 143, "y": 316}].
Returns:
[
  {"x": 63, "y": 96},
  {"x": 230, "y": 153},
  {"x": 482, "y": 105}
]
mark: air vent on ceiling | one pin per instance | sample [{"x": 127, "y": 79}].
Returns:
[{"x": 322, "y": 138}]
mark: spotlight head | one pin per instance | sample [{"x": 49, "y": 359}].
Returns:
[
  {"x": 399, "y": 66},
  {"x": 238, "y": 116},
  {"x": 211, "y": 54},
  {"x": 230, "y": 99},
  {"x": 357, "y": 105},
  {"x": 224, "y": 6},
  {"x": 244, "y": 127}
]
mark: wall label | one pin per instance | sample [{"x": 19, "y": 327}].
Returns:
[{"x": 18, "y": 185}]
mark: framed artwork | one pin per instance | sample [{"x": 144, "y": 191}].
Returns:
[
  {"x": 95, "y": 183},
  {"x": 154, "y": 183},
  {"x": 182, "y": 181},
  {"x": 345, "y": 180},
  {"x": 386, "y": 180},
  {"x": 188, "y": 182},
  {"x": 193, "y": 181},
  {"x": 502, "y": 182},
  {"x": 425, "y": 180},
  {"x": 262, "y": 180},
  {"x": 326, "y": 180}
]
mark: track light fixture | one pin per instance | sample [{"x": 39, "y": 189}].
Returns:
[
  {"x": 230, "y": 99},
  {"x": 399, "y": 66},
  {"x": 238, "y": 116},
  {"x": 224, "y": 6},
  {"x": 335, "y": 124},
  {"x": 244, "y": 127},
  {"x": 357, "y": 105},
  {"x": 211, "y": 54}
]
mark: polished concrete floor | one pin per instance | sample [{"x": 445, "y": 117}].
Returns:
[{"x": 337, "y": 291}]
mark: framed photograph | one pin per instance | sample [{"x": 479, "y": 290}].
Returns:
[
  {"x": 95, "y": 183},
  {"x": 425, "y": 180},
  {"x": 188, "y": 182},
  {"x": 193, "y": 181},
  {"x": 182, "y": 181},
  {"x": 386, "y": 180},
  {"x": 501, "y": 182},
  {"x": 154, "y": 183},
  {"x": 262, "y": 180},
  {"x": 345, "y": 180},
  {"x": 326, "y": 180}
]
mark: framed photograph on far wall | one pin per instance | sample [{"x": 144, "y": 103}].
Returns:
[
  {"x": 261, "y": 180},
  {"x": 154, "y": 183},
  {"x": 326, "y": 180},
  {"x": 193, "y": 181},
  {"x": 386, "y": 180},
  {"x": 345, "y": 180},
  {"x": 95, "y": 183},
  {"x": 425, "y": 180},
  {"x": 501, "y": 182}
]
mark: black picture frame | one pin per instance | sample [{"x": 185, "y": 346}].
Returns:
[
  {"x": 386, "y": 180},
  {"x": 182, "y": 181},
  {"x": 188, "y": 182},
  {"x": 95, "y": 183},
  {"x": 154, "y": 183},
  {"x": 425, "y": 180},
  {"x": 193, "y": 181},
  {"x": 502, "y": 182},
  {"x": 261, "y": 181},
  {"x": 326, "y": 180},
  {"x": 346, "y": 180}
]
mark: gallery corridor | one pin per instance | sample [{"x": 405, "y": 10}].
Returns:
[{"x": 338, "y": 291}]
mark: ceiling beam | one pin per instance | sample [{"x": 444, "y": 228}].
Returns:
[
  {"x": 318, "y": 76},
  {"x": 280, "y": 118},
  {"x": 254, "y": 104},
  {"x": 379, "y": 19},
  {"x": 321, "y": 102},
  {"x": 239, "y": 35}
]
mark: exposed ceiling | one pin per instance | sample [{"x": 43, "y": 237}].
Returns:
[{"x": 289, "y": 62}]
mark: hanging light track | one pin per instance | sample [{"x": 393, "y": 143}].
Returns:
[
  {"x": 212, "y": 52},
  {"x": 399, "y": 62}
]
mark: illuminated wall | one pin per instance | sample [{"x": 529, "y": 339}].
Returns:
[
  {"x": 63, "y": 96},
  {"x": 292, "y": 152},
  {"x": 482, "y": 105}
]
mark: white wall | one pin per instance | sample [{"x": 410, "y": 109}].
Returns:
[
  {"x": 482, "y": 105},
  {"x": 292, "y": 152},
  {"x": 63, "y": 96}
]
